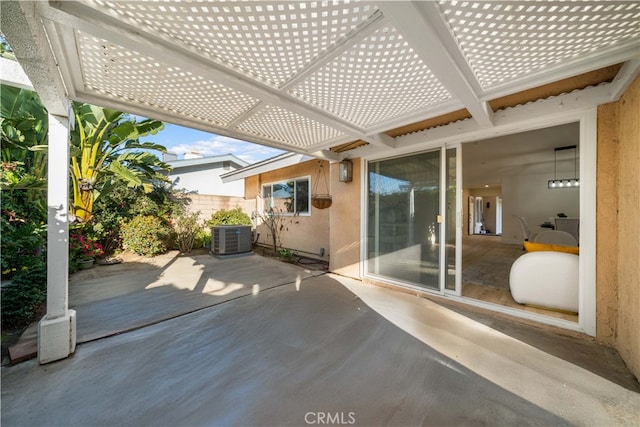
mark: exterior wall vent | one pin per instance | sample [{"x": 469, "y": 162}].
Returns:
[{"x": 230, "y": 239}]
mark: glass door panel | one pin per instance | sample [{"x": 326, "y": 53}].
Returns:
[
  {"x": 403, "y": 229},
  {"x": 450, "y": 219}
]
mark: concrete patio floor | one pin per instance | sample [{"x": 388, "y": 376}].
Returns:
[{"x": 268, "y": 343}]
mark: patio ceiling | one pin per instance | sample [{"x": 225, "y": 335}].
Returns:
[{"x": 315, "y": 76}]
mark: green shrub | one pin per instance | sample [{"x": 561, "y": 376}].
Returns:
[
  {"x": 146, "y": 235},
  {"x": 287, "y": 255},
  {"x": 229, "y": 217},
  {"x": 186, "y": 227},
  {"x": 202, "y": 239},
  {"x": 23, "y": 231},
  {"x": 21, "y": 300},
  {"x": 123, "y": 203},
  {"x": 110, "y": 211}
]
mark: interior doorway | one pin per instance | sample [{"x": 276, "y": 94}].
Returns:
[
  {"x": 478, "y": 215},
  {"x": 485, "y": 213},
  {"x": 499, "y": 215}
]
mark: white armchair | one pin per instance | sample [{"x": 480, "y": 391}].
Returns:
[
  {"x": 546, "y": 279},
  {"x": 556, "y": 238},
  {"x": 526, "y": 231}
]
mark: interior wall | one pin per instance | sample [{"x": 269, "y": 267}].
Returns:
[
  {"x": 528, "y": 196},
  {"x": 485, "y": 192},
  {"x": 618, "y": 226},
  {"x": 345, "y": 222}
]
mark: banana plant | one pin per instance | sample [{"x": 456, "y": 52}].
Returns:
[
  {"x": 105, "y": 148},
  {"x": 23, "y": 136}
]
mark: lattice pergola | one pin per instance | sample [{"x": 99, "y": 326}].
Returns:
[{"x": 315, "y": 76}]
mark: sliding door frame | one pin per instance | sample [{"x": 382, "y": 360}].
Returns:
[
  {"x": 365, "y": 218},
  {"x": 459, "y": 219},
  {"x": 587, "y": 119}
]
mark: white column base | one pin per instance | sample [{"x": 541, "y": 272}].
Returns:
[{"x": 56, "y": 337}]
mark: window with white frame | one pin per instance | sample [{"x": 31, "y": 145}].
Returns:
[{"x": 287, "y": 197}]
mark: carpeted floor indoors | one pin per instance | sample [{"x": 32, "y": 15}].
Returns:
[{"x": 487, "y": 262}]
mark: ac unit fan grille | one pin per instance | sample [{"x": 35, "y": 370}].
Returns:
[{"x": 231, "y": 240}]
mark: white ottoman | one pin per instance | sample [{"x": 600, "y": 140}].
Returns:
[{"x": 546, "y": 279}]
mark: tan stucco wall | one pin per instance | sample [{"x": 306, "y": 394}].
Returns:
[
  {"x": 607, "y": 224},
  {"x": 303, "y": 234},
  {"x": 208, "y": 204},
  {"x": 618, "y": 226},
  {"x": 345, "y": 222}
]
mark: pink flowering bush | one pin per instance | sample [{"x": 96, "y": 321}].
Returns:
[{"x": 82, "y": 248}]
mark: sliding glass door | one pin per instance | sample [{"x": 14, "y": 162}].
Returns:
[{"x": 404, "y": 220}]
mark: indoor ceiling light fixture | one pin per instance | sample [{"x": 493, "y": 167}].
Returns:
[{"x": 566, "y": 182}]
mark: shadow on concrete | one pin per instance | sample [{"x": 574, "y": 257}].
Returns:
[
  {"x": 113, "y": 299},
  {"x": 130, "y": 300},
  {"x": 290, "y": 355}
]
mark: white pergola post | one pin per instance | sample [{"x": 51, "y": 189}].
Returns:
[{"x": 57, "y": 329}]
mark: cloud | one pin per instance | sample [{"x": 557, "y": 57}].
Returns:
[{"x": 219, "y": 145}]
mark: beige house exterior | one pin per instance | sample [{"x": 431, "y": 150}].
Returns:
[
  {"x": 305, "y": 234},
  {"x": 618, "y": 226}
]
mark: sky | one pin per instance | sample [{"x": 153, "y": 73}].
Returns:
[{"x": 180, "y": 140}]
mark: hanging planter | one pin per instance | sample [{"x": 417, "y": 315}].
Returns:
[{"x": 319, "y": 200}]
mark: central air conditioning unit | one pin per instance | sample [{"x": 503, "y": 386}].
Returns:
[{"x": 230, "y": 239}]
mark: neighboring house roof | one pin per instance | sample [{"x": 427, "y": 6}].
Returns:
[
  {"x": 178, "y": 164},
  {"x": 268, "y": 165},
  {"x": 202, "y": 175}
]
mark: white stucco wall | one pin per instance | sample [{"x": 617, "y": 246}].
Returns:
[{"x": 205, "y": 179}]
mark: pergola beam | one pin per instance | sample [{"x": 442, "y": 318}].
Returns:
[
  {"x": 411, "y": 19},
  {"x": 536, "y": 114},
  {"x": 629, "y": 71},
  {"x": 21, "y": 25},
  {"x": 94, "y": 22}
]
